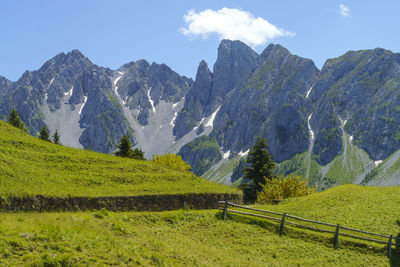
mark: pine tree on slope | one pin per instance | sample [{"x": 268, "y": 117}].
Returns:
[
  {"x": 15, "y": 120},
  {"x": 44, "y": 134}
]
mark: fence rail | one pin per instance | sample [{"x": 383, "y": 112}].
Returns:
[{"x": 285, "y": 216}]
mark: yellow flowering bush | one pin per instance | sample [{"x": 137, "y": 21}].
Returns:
[
  {"x": 172, "y": 161},
  {"x": 284, "y": 187}
]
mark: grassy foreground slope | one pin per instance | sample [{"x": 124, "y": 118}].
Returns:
[
  {"x": 202, "y": 238},
  {"x": 373, "y": 209},
  {"x": 29, "y": 166}
]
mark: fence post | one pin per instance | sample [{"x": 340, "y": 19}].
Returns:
[
  {"x": 336, "y": 239},
  {"x": 282, "y": 224},
  {"x": 390, "y": 246},
  {"x": 226, "y": 206}
]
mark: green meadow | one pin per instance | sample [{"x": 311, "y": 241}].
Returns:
[{"x": 29, "y": 166}]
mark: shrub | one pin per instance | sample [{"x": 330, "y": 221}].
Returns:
[
  {"x": 282, "y": 188},
  {"x": 172, "y": 161}
]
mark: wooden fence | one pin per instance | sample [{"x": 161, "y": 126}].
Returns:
[{"x": 284, "y": 220}]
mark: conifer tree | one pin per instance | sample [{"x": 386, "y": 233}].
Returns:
[
  {"x": 259, "y": 165},
  {"x": 44, "y": 134},
  {"x": 56, "y": 138},
  {"x": 137, "y": 153},
  {"x": 15, "y": 120},
  {"x": 124, "y": 147}
]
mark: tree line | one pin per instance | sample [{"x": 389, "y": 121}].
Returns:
[{"x": 15, "y": 120}]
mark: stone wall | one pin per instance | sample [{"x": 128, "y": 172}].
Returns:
[{"x": 118, "y": 203}]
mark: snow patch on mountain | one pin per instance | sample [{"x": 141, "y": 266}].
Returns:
[
  {"x": 243, "y": 154},
  {"x": 83, "y": 104},
  {"x": 172, "y": 123},
  {"x": 151, "y": 100},
  {"x": 210, "y": 121},
  {"x": 69, "y": 93},
  {"x": 227, "y": 154},
  {"x": 309, "y": 90},
  {"x": 120, "y": 75}
]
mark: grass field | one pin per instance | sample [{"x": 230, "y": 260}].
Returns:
[
  {"x": 202, "y": 238},
  {"x": 29, "y": 166}
]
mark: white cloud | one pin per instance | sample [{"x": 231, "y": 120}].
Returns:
[
  {"x": 233, "y": 24},
  {"x": 344, "y": 10}
]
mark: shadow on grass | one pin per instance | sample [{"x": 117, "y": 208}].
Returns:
[
  {"x": 395, "y": 259},
  {"x": 324, "y": 239}
]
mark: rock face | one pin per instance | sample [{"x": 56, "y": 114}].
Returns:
[
  {"x": 310, "y": 117},
  {"x": 270, "y": 104},
  {"x": 142, "y": 86},
  {"x": 234, "y": 64},
  {"x": 361, "y": 88},
  {"x": 71, "y": 94},
  {"x": 196, "y": 102}
]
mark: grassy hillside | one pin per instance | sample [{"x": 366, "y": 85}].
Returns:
[
  {"x": 29, "y": 166},
  {"x": 201, "y": 238},
  {"x": 374, "y": 209}
]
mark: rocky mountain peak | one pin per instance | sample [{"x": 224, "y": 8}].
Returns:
[
  {"x": 203, "y": 71},
  {"x": 75, "y": 56},
  {"x": 234, "y": 53},
  {"x": 141, "y": 66},
  {"x": 234, "y": 64},
  {"x": 203, "y": 66},
  {"x": 274, "y": 49}
]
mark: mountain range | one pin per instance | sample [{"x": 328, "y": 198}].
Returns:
[{"x": 336, "y": 125}]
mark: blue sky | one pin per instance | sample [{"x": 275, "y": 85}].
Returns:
[{"x": 112, "y": 33}]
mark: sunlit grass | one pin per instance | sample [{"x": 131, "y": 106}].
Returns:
[
  {"x": 29, "y": 166},
  {"x": 202, "y": 238}
]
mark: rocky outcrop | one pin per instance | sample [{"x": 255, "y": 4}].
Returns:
[
  {"x": 69, "y": 86},
  {"x": 234, "y": 64},
  {"x": 196, "y": 102},
  {"x": 270, "y": 104},
  {"x": 142, "y": 86},
  {"x": 360, "y": 88}
]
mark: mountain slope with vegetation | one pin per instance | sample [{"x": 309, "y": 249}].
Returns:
[
  {"x": 274, "y": 94},
  {"x": 29, "y": 166}
]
